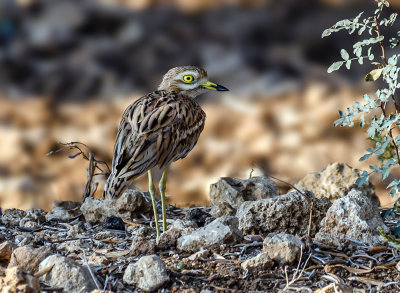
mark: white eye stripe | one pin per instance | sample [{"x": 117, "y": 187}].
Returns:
[{"x": 188, "y": 86}]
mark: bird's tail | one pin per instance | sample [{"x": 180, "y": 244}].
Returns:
[{"x": 114, "y": 187}]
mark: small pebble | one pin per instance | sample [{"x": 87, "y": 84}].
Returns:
[{"x": 114, "y": 223}]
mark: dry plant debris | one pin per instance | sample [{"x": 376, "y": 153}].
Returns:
[{"x": 106, "y": 253}]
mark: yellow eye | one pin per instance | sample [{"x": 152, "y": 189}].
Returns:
[{"x": 188, "y": 78}]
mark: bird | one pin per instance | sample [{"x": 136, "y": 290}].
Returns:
[{"x": 158, "y": 129}]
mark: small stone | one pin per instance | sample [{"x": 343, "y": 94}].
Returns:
[
  {"x": 37, "y": 215},
  {"x": 29, "y": 258},
  {"x": 353, "y": 216},
  {"x": 64, "y": 210},
  {"x": 142, "y": 231},
  {"x": 168, "y": 239},
  {"x": 6, "y": 249},
  {"x": 16, "y": 280},
  {"x": 335, "y": 288},
  {"x": 76, "y": 230},
  {"x": 200, "y": 254},
  {"x": 132, "y": 204},
  {"x": 223, "y": 209},
  {"x": 94, "y": 210},
  {"x": 229, "y": 193},
  {"x": 223, "y": 230},
  {"x": 26, "y": 223},
  {"x": 283, "y": 248},
  {"x": 198, "y": 216},
  {"x": 103, "y": 235},
  {"x": 114, "y": 223},
  {"x": 148, "y": 273},
  {"x": 24, "y": 239},
  {"x": 183, "y": 225},
  {"x": 287, "y": 213},
  {"x": 33, "y": 218},
  {"x": 64, "y": 270},
  {"x": 12, "y": 217},
  {"x": 97, "y": 260},
  {"x": 336, "y": 181},
  {"x": 70, "y": 246},
  {"x": 141, "y": 245},
  {"x": 258, "y": 263},
  {"x": 190, "y": 290}
]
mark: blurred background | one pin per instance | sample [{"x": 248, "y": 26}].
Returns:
[{"x": 68, "y": 69}]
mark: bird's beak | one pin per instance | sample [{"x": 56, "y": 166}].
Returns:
[{"x": 213, "y": 86}]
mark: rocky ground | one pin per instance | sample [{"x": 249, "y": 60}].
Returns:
[{"x": 320, "y": 237}]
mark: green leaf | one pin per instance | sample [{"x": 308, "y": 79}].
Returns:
[
  {"x": 344, "y": 54},
  {"x": 385, "y": 173},
  {"x": 335, "y": 66},
  {"x": 393, "y": 42},
  {"x": 326, "y": 32},
  {"x": 371, "y": 57},
  {"x": 363, "y": 179},
  {"x": 361, "y": 30},
  {"x": 392, "y": 60},
  {"x": 374, "y": 74},
  {"x": 358, "y": 51},
  {"x": 365, "y": 157},
  {"x": 348, "y": 64},
  {"x": 338, "y": 122},
  {"x": 371, "y": 131},
  {"x": 358, "y": 16},
  {"x": 393, "y": 183},
  {"x": 366, "y": 98}
]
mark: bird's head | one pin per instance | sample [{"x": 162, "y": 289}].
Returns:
[{"x": 188, "y": 80}]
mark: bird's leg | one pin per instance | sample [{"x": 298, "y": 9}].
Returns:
[
  {"x": 162, "y": 185},
  {"x": 152, "y": 190}
]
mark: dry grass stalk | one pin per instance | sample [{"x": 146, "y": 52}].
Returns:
[
  {"x": 90, "y": 185},
  {"x": 297, "y": 275}
]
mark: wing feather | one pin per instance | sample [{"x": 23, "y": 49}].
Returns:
[{"x": 157, "y": 129}]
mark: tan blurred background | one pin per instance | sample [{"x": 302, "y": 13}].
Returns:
[{"x": 68, "y": 69}]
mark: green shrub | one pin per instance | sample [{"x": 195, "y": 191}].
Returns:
[{"x": 376, "y": 113}]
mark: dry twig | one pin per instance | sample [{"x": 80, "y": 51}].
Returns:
[
  {"x": 90, "y": 271},
  {"x": 90, "y": 186},
  {"x": 297, "y": 275}
]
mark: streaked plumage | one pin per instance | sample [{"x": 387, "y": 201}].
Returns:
[
  {"x": 160, "y": 127},
  {"x": 155, "y": 130}
]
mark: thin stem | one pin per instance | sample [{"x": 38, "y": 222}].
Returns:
[
  {"x": 378, "y": 32},
  {"x": 391, "y": 135}
]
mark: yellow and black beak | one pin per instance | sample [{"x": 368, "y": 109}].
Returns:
[{"x": 213, "y": 86}]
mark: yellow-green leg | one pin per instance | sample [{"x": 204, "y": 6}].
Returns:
[
  {"x": 162, "y": 185},
  {"x": 152, "y": 190}
]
